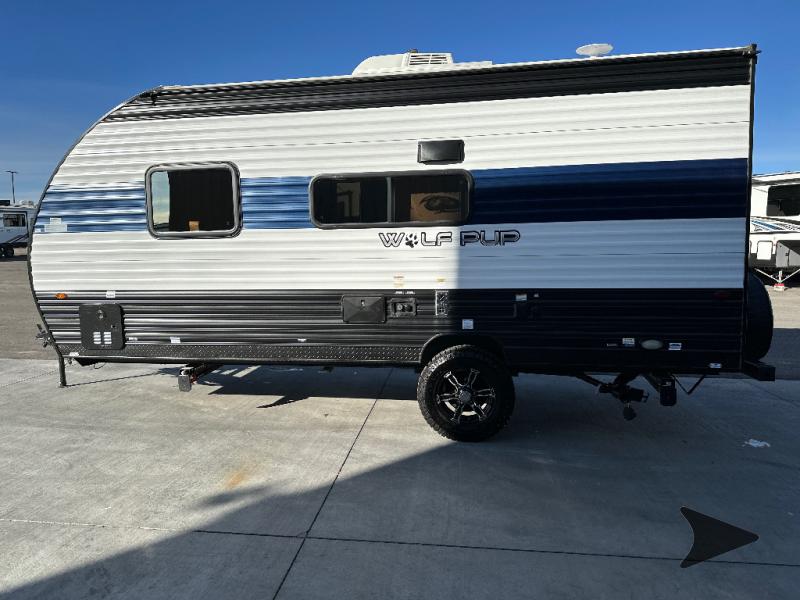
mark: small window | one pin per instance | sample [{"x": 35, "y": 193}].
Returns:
[
  {"x": 14, "y": 220},
  {"x": 440, "y": 198},
  {"x": 193, "y": 200},
  {"x": 783, "y": 201}
]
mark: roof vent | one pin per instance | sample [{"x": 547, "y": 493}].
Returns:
[{"x": 413, "y": 61}]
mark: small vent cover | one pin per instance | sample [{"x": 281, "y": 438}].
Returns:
[
  {"x": 418, "y": 59},
  {"x": 101, "y": 326}
]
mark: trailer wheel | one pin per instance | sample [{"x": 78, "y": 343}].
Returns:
[
  {"x": 9, "y": 251},
  {"x": 466, "y": 394},
  {"x": 759, "y": 324}
]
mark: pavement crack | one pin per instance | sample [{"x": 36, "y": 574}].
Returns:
[
  {"x": 544, "y": 551},
  {"x": 81, "y": 524},
  {"x": 765, "y": 389},
  {"x": 32, "y": 377},
  {"x": 323, "y": 538},
  {"x": 306, "y": 535}
]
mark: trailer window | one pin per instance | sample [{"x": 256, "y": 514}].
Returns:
[
  {"x": 14, "y": 220},
  {"x": 194, "y": 200},
  {"x": 391, "y": 199},
  {"x": 353, "y": 201},
  {"x": 435, "y": 199},
  {"x": 783, "y": 201}
]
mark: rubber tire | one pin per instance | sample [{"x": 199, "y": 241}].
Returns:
[
  {"x": 491, "y": 367},
  {"x": 2, "y": 251},
  {"x": 759, "y": 320},
  {"x": 9, "y": 251}
]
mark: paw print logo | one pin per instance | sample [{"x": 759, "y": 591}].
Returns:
[{"x": 412, "y": 240}]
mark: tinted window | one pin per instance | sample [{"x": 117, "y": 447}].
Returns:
[
  {"x": 338, "y": 201},
  {"x": 191, "y": 201},
  {"x": 403, "y": 198},
  {"x": 438, "y": 199},
  {"x": 784, "y": 201},
  {"x": 14, "y": 220}
]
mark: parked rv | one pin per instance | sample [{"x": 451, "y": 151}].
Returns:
[
  {"x": 469, "y": 220},
  {"x": 15, "y": 232},
  {"x": 775, "y": 226}
]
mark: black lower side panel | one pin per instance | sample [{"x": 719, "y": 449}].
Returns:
[{"x": 545, "y": 330}]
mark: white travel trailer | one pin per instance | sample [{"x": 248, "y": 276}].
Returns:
[
  {"x": 775, "y": 226},
  {"x": 469, "y": 220},
  {"x": 16, "y": 227}
]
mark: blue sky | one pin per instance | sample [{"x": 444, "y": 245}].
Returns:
[{"x": 64, "y": 64}]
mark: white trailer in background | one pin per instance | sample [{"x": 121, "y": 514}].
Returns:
[
  {"x": 16, "y": 228},
  {"x": 775, "y": 226}
]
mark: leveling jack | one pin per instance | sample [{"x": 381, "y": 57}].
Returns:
[
  {"x": 191, "y": 373},
  {"x": 664, "y": 385}
]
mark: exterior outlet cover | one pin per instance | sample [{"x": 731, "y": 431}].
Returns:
[{"x": 363, "y": 309}]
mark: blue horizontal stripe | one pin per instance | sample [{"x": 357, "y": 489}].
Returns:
[
  {"x": 694, "y": 189},
  {"x": 101, "y": 209},
  {"x": 655, "y": 190},
  {"x": 275, "y": 202}
]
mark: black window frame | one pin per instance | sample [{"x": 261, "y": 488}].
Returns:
[
  {"x": 390, "y": 190},
  {"x": 236, "y": 189}
]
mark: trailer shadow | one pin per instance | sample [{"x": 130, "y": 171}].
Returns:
[
  {"x": 367, "y": 532},
  {"x": 290, "y": 384},
  {"x": 784, "y": 353}
]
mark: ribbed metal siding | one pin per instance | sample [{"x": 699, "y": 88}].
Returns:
[
  {"x": 698, "y": 189},
  {"x": 674, "y": 253},
  {"x": 664, "y": 125},
  {"x": 107, "y": 208},
  {"x": 275, "y": 203},
  {"x": 728, "y": 67},
  {"x": 579, "y": 325},
  {"x": 693, "y": 189}
]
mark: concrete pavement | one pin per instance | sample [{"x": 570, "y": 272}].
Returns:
[{"x": 294, "y": 483}]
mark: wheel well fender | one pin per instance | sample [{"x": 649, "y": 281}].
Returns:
[{"x": 441, "y": 342}]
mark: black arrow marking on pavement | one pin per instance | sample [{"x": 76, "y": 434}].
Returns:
[{"x": 712, "y": 537}]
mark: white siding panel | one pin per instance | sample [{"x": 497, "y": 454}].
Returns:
[
  {"x": 699, "y": 123},
  {"x": 676, "y": 253}
]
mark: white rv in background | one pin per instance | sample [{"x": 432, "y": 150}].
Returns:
[
  {"x": 775, "y": 226},
  {"x": 17, "y": 222}
]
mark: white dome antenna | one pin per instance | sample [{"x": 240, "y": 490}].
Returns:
[{"x": 594, "y": 50}]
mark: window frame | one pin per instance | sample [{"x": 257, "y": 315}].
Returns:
[
  {"x": 390, "y": 199},
  {"x": 777, "y": 202},
  {"x": 217, "y": 233},
  {"x": 23, "y": 216}
]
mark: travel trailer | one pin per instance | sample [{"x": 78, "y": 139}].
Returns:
[
  {"x": 15, "y": 232},
  {"x": 775, "y": 226},
  {"x": 470, "y": 220}
]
